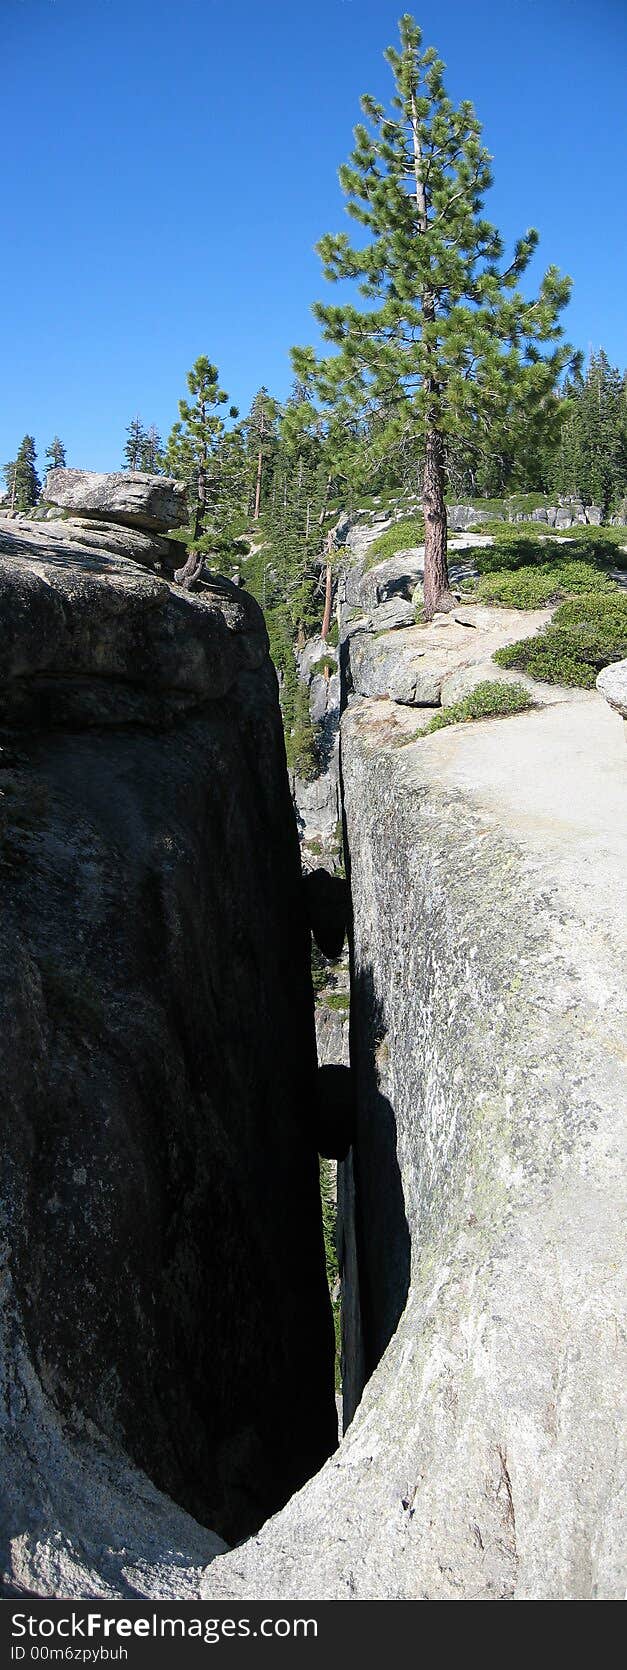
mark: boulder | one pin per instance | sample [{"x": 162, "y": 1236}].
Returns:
[
  {"x": 612, "y": 683},
  {"x": 324, "y": 697},
  {"x": 411, "y": 665},
  {"x": 327, "y": 906},
  {"x": 315, "y": 650},
  {"x": 333, "y": 1027},
  {"x": 335, "y": 1111},
  {"x": 389, "y": 616},
  {"x": 150, "y": 550},
  {"x": 96, "y": 632},
  {"x": 128, "y": 496}
]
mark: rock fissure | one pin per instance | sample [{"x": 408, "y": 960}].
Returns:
[{"x": 170, "y": 1332}]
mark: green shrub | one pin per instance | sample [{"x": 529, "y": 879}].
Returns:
[
  {"x": 300, "y": 740},
  {"x": 402, "y": 536},
  {"x": 585, "y": 634},
  {"x": 326, "y": 666},
  {"x": 338, "y": 1000},
  {"x": 519, "y": 547},
  {"x": 537, "y": 584},
  {"x": 489, "y": 700}
]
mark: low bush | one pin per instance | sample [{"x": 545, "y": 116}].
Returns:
[
  {"x": 402, "y": 536},
  {"x": 489, "y": 700},
  {"x": 586, "y": 633},
  {"x": 338, "y": 1000},
  {"x": 537, "y": 584}
]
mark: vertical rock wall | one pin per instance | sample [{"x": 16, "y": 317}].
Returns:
[{"x": 165, "y": 1270}]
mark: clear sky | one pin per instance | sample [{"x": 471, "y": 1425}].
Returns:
[{"x": 168, "y": 166}]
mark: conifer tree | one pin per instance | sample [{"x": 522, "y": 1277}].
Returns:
[
  {"x": 151, "y": 452},
  {"x": 194, "y": 442},
  {"x": 261, "y": 439},
  {"x": 135, "y": 441},
  {"x": 23, "y": 484},
  {"x": 8, "y": 471},
  {"x": 56, "y": 454},
  {"x": 591, "y": 459},
  {"x": 448, "y": 347}
]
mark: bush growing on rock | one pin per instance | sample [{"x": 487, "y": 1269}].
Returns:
[
  {"x": 402, "y": 536},
  {"x": 586, "y": 633},
  {"x": 490, "y": 700},
  {"x": 535, "y": 585}
]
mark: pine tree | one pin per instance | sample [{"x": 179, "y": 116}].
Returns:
[
  {"x": 591, "y": 459},
  {"x": 151, "y": 452},
  {"x": 261, "y": 438},
  {"x": 198, "y": 447},
  {"x": 8, "y": 471},
  {"x": 134, "y": 444},
  {"x": 449, "y": 349},
  {"x": 194, "y": 441},
  {"x": 56, "y": 454},
  {"x": 23, "y": 484}
]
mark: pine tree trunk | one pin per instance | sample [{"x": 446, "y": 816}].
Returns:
[
  {"x": 437, "y": 595},
  {"x": 436, "y": 587},
  {"x": 328, "y": 594}
]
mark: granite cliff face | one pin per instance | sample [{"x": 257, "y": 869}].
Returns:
[
  {"x": 168, "y": 1325},
  {"x": 481, "y": 1242}
]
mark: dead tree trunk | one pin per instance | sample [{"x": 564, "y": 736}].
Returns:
[{"x": 328, "y": 590}]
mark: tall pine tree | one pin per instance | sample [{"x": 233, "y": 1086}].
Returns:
[
  {"x": 261, "y": 438},
  {"x": 151, "y": 452},
  {"x": 23, "y": 484},
  {"x": 55, "y": 453},
  {"x": 448, "y": 347},
  {"x": 591, "y": 459},
  {"x": 194, "y": 441},
  {"x": 135, "y": 441}
]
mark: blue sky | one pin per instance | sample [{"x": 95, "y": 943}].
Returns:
[{"x": 168, "y": 166}]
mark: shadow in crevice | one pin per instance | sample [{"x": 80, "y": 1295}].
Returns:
[{"x": 376, "y": 1242}]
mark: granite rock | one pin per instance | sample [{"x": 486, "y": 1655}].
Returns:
[
  {"x": 128, "y": 496},
  {"x": 612, "y": 683},
  {"x": 159, "y": 1083}
]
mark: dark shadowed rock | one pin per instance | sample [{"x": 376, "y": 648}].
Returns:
[
  {"x": 157, "y": 502},
  {"x": 167, "y": 1326},
  {"x": 326, "y": 902},
  {"x": 335, "y": 1111}
]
